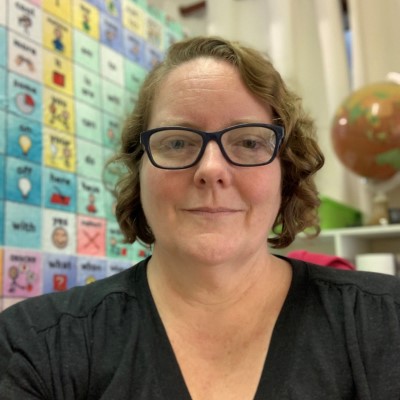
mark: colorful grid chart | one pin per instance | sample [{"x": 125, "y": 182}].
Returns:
[{"x": 69, "y": 73}]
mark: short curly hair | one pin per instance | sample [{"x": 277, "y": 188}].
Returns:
[{"x": 300, "y": 156}]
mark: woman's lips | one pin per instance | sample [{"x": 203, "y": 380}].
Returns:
[{"x": 212, "y": 210}]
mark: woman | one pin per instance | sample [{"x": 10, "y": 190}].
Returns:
[{"x": 218, "y": 154}]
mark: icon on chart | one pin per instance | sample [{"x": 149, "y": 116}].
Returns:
[
  {"x": 117, "y": 250},
  {"x": 22, "y": 277},
  {"x": 53, "y": 150},
  {"x": 66, "y": 152},
  {"x": 58, "y": 79},
  {"x": 59, "y": 237},
  {"x": 60, "y": 282},
  {"x": 90, "y": 279},
  {"x": 25, "y": 143},
  {"x": 22, "y": 60},
  {"x": 112, "y": 8},
  {"x": 142, "y": 253},
  {"x": 60, "y": 114},
  {"x": 25, "y": 186},
  {"x": 25, "y": 103},
  {"x": 113, "y": 207},
  {"x": 135, "y": 49},
  {"x": 91, "y": 240},
  {"x": 111, "y": 34},
  {"x": 58, "y": 39},
  {"x": 57, "y": 197},
  {"x": 85, "y": 22},
  {"x": 26, "y": 22},
  {"x": 111, "y": 135},
  {"x": 91, "y": 207}
]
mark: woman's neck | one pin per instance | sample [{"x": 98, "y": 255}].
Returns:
[{"x": 188, "y": 288}]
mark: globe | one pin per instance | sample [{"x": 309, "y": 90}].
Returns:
[{"x": 366, "y": 131}]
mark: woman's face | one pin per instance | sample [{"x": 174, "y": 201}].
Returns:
[{"x": 214, "y": 211}]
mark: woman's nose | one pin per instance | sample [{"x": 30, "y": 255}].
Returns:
[{"x": 213, "y": 168}]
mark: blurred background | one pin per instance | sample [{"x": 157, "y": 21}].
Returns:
[
  {"x": 70, "y": 71},
  {"x": 325, "y": 50}
]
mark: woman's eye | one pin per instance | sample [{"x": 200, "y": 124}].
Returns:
[
  {"x": 249, "y": 144},
  {"x": 177, "y": 144}
]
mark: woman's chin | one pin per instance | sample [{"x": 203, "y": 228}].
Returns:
[{"x": 211, "y": 252}]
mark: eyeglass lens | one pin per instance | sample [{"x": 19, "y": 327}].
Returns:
[{"x": 243, "y": 145}]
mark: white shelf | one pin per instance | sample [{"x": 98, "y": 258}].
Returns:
[
  {"x": 348, "y": 242},
  {"x": 384, "y": 231}
]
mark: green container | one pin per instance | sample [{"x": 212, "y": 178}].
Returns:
[{"x": 333, "y": 214}]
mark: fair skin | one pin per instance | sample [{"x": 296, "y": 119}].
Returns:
[{"x": 216, "y": 286}]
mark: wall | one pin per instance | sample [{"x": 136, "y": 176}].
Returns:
[{"x": 69, "y": 73}]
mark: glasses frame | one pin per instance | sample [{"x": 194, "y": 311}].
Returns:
[{"x": 213, "y": 136}]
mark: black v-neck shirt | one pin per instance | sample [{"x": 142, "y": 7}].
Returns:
[{"x": 337, "y": 337}]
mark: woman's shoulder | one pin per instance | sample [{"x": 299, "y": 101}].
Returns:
[
  {"x": 53, "y": 339},
  {"x": 78, "y": 302},
  {"x": 345, "y": 281}
]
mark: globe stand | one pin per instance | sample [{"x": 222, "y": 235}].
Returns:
[{"x": 380, "y": 211}]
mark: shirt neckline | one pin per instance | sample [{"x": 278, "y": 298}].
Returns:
[{"x": 275, "y": 369}]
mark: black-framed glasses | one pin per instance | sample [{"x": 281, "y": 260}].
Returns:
[{"x": 245, "y": 145}]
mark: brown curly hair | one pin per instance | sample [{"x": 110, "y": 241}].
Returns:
[{"x": 300, "y": 156}]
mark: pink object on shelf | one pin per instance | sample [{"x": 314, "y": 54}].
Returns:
[{"x": 322, "y": 259}]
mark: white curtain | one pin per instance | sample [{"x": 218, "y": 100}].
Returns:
[
  {"x": 305, "y": 40},
  {"x": 376, "y": 45}
]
